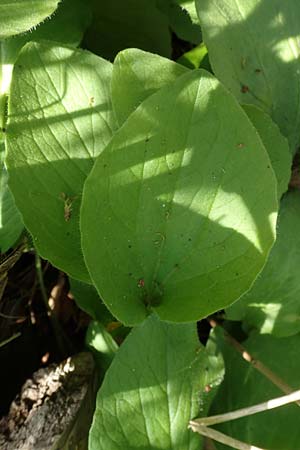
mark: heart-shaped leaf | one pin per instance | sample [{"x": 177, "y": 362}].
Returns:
[
  {"x": 179, "y": 211},
  {"x": 60, "y": 119},
  {"x": 152, "y": 389}
]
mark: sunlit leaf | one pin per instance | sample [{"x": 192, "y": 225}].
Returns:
[
  {"x": 254, "y": 50},
  {"x": 153, "y": 387},
  {"x": 195, "y": 58},
  {"x": 272, "y": 304},
  {"x": 60, "y": 119},
  {"x": 137, "y": 75},
  {"x": 179, "y": 212},
  {"x": 275, "y": 144},
  {"x": 17, "y": 16},
  {"x": 11, "y": 224}
]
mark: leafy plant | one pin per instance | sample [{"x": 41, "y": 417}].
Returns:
[{"x": 146, "y": 148}]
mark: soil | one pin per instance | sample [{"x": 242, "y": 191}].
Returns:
[{"x": 23, "y": 313}]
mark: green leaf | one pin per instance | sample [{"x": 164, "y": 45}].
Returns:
[
  {"x": 102, "y": 344},
  {"x": 185, "y": 198},
  {"x": 60, "y": 119},
  {"x": 190, "y": 7},
  {"x": 66, "y": 26},
  {"x": 17, "y": 16},
  {"x": 136, "y": 76},
  {"x": 11, "y": 224},
  {"x": 183, "y": 19},
  {"x": 254, "y": 50},
  {"x": 119, "y": 24},
  {"x": 244, "y": 386},
  {"x": 275, "y": 144},
  {"x": 88, "y": 300},
  {"x": 196, "y": 58},
  {"x": 152, "y": 390},
  {"x": 272, "y": 304}
]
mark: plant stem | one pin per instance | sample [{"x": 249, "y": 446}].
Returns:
[
  {"x": 258, "y": 365},
  {"x": 220, "y": 437},
  {"x": 245, "y": 412},
  {"x": 11, "y": 338}
]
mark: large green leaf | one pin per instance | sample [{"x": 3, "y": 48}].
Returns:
[
  {"x": 17, "y": 16},
  {"x": 119, "y": 24},
  {"x": 66, "y": 26},
  {"x": 185, "y": 198},
  {"x": 137, "y": 75},
  {"x": 11, "y": 224},
  {"x": 272, "y": 304},
  {"x": 153, "y": 388},
  {"x": 254, "y": 49},
  {"x": 244, "y": 386},
  {"x": 275, "y": 144},
  {"x": 60, "y": 119}
]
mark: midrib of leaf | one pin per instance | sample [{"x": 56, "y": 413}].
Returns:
[{"x": 213, "y": 197}]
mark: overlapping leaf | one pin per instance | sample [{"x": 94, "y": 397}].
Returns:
[
  {"x": 185, "y": 198},
  {"x": 275, "y": 144},
  {"x": 137, "y": 75},
  {"x": 60, "y": 119},
  {"x": 254, "y": 49},
  {"x": 153, "y": 388},
  {"x": 272, "y": 304},
  {"x": 11, "y": 224},
  {"x": 17, "y": 16},
  {"x": 244, "y": 386}
]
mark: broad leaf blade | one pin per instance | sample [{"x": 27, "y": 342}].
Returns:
[
  {"x": 184, "y": 196},
  {"x": 275, "y": 144},
  {"x": 60, "y": 119},
  {"x": 244, "y": 386},
  {"x": 272, "y": 304},
  {"x": 11, "y": 224},
  {"x": 136, "y": 76},
  {"x": 151, "y": 390},
  {"x": 118, "y": 25},
  {"x": 254, "y": 49},
  {"x": 17, "y": 16}
]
